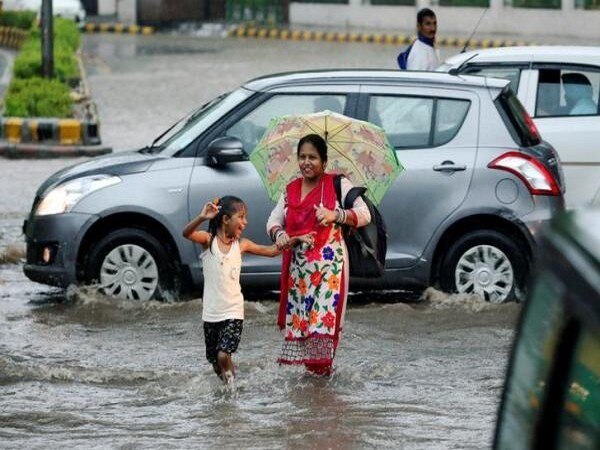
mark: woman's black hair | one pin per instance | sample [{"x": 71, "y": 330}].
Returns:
[
  {"x": 317, "y": 141},
  {"x": 228, "y": 206}
]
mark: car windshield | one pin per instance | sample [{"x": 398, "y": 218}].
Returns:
[{"x": 186, "y": 129}]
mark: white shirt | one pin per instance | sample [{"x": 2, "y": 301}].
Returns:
[
  {"x": 222, "y": 298},
  {"x": 422, "y": 57}
]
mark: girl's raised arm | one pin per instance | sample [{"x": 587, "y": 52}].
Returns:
[{"x": 208, "y": 212}]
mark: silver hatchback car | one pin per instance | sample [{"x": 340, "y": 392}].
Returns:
[{"x": 479, "y": 182}]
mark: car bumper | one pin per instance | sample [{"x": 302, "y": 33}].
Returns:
[
  {"x": 534, "y": 222},
  {"x": 52, "y": 245}
]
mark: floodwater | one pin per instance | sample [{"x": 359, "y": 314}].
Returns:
[{"x": 80, "y": 370}]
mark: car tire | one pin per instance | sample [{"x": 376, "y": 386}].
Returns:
[
  {"x": 132, "y": 264},
  {"x": 487, "y": 263}
]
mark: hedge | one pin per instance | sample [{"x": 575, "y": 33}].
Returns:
[
  {"x": 18, "y": 19},
  {"x": 38, "y": 97},
  {"x": 28, "y": 95},
  {"x": 28, "y": 63}
]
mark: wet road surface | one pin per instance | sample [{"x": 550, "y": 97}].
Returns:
[{"x": 79, "y": 370}]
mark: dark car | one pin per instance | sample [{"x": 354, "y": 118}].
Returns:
[{"x": 551, "y": 399}]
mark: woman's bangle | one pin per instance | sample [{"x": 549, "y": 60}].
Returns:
[
  {"x": 341, "y": 216},
  {"x": 274, "y": 233}
]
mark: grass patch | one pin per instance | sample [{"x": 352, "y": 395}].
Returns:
[{"x": 28, "y": 94}]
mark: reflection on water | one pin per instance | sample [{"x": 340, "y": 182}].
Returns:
[{"x": 77, "y": 366}]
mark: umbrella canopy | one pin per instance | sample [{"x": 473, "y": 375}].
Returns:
[{"x": 357, "y": 149}]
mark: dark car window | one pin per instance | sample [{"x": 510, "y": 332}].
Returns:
[
  {"x": 250, "y": 128},
  {"x": 567, "y": 92},
  {"x": 579, "y": 423},
  {"x": 412, "y": 122},
  {"x": 517, "y": 120},
  {"x": 532, "y": 363},
  {"x": 512, "y": 74}
]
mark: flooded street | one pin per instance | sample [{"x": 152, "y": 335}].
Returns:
[{"x": 79, "y": 370}]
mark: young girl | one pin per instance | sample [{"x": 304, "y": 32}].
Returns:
[{"x": 223, "y": 302}]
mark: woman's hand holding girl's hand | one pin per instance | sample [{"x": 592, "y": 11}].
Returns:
[
  {"x": 283, "y": 241},
  {"x": 325, "y": 216},
  {"x": 307, "y": 239},
  {"x": 209, "y": 211}
]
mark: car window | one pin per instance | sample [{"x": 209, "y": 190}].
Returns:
[
  {"x": 531, "y": 363},
  {"x": 408, "y": 122},
  {"x": 250, "y": 128},
  {"x": 579, "y": 423},
  {"x": 512, "y": 74},
  {"x": 567, "y": 92},
  {"x": 450, "y": 115}
]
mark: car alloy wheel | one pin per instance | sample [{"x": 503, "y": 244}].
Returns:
[
  {"x": 485, "y": 270},
  {"x": 131, "y": 263},
  {"x": 129, "y": 272}
]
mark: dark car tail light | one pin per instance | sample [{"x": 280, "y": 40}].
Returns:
[{"x": 534, "y": 174}]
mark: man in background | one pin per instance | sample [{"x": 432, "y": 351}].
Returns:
[{"x": 422, "y": 54}]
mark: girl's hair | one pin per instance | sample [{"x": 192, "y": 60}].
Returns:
[
  {"x": 317, "y": 141},
  {"x": 228, "y": 206}
]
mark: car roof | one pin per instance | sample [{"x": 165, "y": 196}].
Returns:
[
  {"x": 345, "y": 76},
  {"x": 543, "y": 53}
]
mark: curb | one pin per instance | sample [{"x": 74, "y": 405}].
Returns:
[
  {"x": 375, "y": 38},
  {"x": 18, "y": 130},
  {"x": 118, "y": 28},
  {"x": 36, "y": 151},
  {"x": 12, "y": 37}
]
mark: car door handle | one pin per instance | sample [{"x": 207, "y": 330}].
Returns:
[{"x": 449, "y": 166}]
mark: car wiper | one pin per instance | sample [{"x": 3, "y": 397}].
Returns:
[
  {"x": 456, "y": 70},
  {"x": 153, "y": 145}
]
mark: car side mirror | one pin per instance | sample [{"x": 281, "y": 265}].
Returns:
[{"x": 225, "y": 150}]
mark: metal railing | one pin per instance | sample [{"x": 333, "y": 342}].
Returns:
[
  {"x": 587, "y": 4},
  {"x": 545, "y": 4},
  {"x": 393, "y": 2},
  {"x": 474, "y": 3},
  {"x": 259, "y": 11}
]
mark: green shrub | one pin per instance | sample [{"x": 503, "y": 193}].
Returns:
[
  {"x": 66, "y": 33},
  {"x": 28, "y": 63},
  {"x": 38, "y": 97},
  {"x": 17, "y": 19}
]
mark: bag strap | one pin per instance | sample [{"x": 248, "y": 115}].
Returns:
[{"x": 352, "y": 194}]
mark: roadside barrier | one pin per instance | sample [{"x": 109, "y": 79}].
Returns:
[
  {"x": 117, "y": 28},
  {"x": 375, "y": 38},
  {"x": 17, "y": 130},
  {"x": 12, "y": 37}
]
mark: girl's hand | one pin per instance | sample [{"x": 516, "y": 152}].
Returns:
[
  {"x": 325, "y": 216},
  {"x": 209, "y": 211}
]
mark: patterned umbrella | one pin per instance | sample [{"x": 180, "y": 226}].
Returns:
[{"x": 357, "y": 149}]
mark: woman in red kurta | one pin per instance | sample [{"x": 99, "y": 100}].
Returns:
[{"x": 314, "y": 280}]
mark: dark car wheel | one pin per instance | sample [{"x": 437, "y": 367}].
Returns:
[
  {"x": 132, "y": 264},
  {"x": 487, "y": 263}
]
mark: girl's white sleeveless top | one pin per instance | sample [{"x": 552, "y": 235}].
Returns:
[{"x": 222, "y": 298}]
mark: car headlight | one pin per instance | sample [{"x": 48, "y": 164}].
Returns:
[{"x": 63, "y": 197}]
